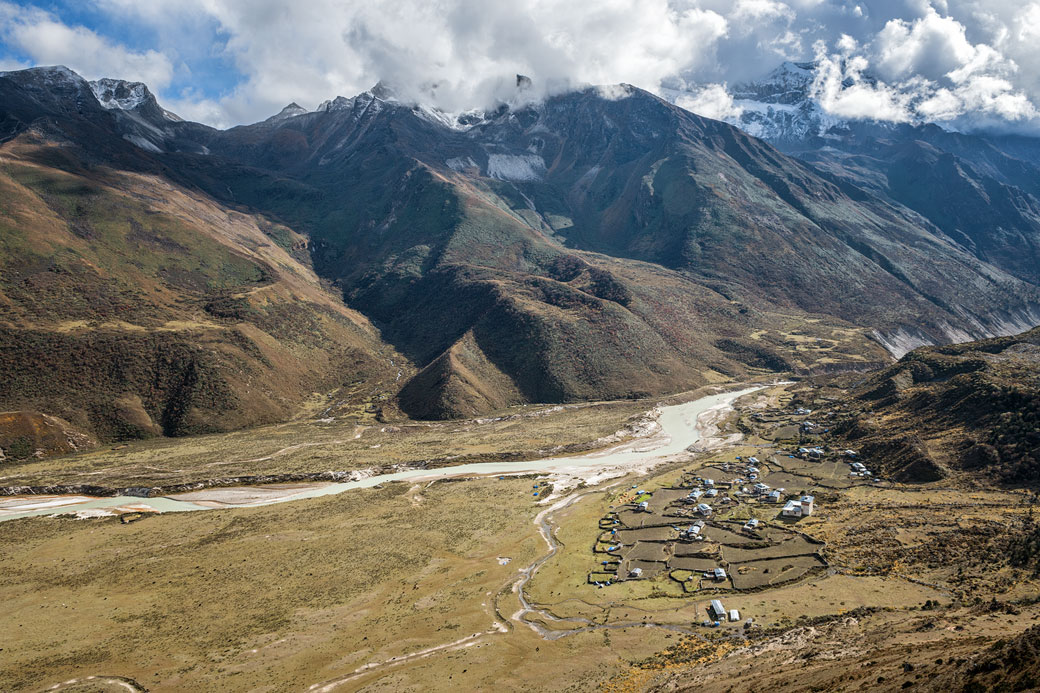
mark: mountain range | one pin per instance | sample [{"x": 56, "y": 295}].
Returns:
[
  {"x": 980, "y": 189},
  {"x": 159, "y": 276}
]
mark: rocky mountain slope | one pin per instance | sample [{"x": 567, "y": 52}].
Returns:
[
  {"x": 601, "y": 244},
  {"x": 969, "y": 410},
  {"x": 131, "y": 306},
  {"x": 983, "y": 191}
]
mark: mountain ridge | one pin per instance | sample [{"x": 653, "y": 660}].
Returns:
[{"x": 600, "y": 244}]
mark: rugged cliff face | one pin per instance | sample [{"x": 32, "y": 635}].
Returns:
[{"x": 980, "y": 190}]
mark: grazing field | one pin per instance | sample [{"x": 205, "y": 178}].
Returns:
[
  {"x": 324, "y": 594},
  {"x": 773, "y": 571}
]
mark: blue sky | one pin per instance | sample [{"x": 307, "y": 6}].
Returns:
[
  {"x": 226, "y": 62},
  {"x": 194, "y": 46}
]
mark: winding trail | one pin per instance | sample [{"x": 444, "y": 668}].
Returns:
[
  {"x": 544, "y": 524},
  {"x": 543, "y": 521}
]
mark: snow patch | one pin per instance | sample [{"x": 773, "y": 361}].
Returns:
[
  {"x": 142, "y": 143},
  {"x": 459, "y": 163},
  {"x": 589, "y": 176},
  {"x": 516, "y": 167},
  {"x": 340, "y": 103},
  {"x": 119, "y": 94},
  {"x": 291, "y": 111}
]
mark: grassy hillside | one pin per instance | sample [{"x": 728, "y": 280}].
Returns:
[
  {"x": 131, "y": 307},
  {"x": 966, "y": 408}
]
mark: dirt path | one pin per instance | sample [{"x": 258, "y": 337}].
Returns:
[{"x": 707, "y": 424}]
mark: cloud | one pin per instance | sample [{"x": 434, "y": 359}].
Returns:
[
  {"x": 930, "y": 71},
  {"x": 958, "y": 62},
  {"x": 710, "y": 101},
  {"x": 841, "y": 90},
  {"x": 455, "y": 54},
  {"x": 45, "y": 40},
  {"x": 931, "y": 46}
]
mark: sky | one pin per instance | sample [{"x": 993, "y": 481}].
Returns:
[{"x": 969, "y": 64}]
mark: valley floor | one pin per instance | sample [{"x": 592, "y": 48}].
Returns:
[{"x": 422, "y": 586}]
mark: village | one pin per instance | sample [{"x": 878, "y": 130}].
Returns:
[{"x": 730, "y": 526}]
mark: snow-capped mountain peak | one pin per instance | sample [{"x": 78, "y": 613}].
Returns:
[
  {"x": 55, "y": 81},
  {"x": 779, "y": 107},
  {"x": 118, "y": 93},
  {"x": 291, "y": 111},
  {"x": 340, "y": 103},
  {"x": 121, "y": 95},
  {"x": 790, "y": 83}
]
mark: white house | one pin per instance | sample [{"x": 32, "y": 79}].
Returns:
[
  {"x": 734, "y": 615},
  {"x": 716, "y": 610},
  {"x": 645, "y": 506},
  {"x": 636, "y": 572},
  {"x": 802, "y": 507},
  {"x": 751, "y": 525},
  {"x": 719, "y": 574},
  {"x": 774, "y": 496},
  {"x": 692, "y": 532},
  {"x": 704, "y": 509}
]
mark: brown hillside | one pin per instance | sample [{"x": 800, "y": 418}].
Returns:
[{"x": 132, "y": 307}]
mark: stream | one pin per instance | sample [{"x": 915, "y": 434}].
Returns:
[
  {"x": 679, "y": 423},
  {"x": 678, "y": 431}
]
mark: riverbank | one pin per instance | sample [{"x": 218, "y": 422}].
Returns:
[{"x": 678, "y": 427}]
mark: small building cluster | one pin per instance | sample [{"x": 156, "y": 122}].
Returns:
[
  {"x": 859, "y": 469},
  {"x": 718, "y": 613}
]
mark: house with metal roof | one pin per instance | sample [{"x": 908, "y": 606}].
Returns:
[{"x": 801, "y": 507}]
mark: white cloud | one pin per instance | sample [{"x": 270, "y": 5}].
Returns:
[
  {"x": 841, "y": 89},
  {"x": 47, "y": 41},
  {"x": 756, "y": 10},
  {"x": 457, "y": 53},
  {"x": 931, "y": 46},
  {"x": 710, "y": 101},
  {"x": 953, "y": 61},
  {"x": 847, "y": 44}
]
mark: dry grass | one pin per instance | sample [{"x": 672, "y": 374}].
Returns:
[{"x": 317, "y": 446}]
